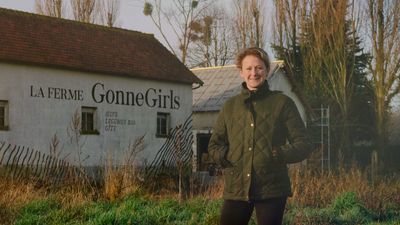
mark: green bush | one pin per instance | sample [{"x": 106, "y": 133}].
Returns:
[
  {"x": 345, "y": 209},
  {"x": 348, "y": 210}
]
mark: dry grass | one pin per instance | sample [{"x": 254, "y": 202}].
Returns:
[
  {"x": 309, "y": 190},
  {"x": 211, "y": 189},
  {"x": 119, "y": 182},
  {"x": 319, "y": 190},
  {"x": 121, "y": 178},
  {"x": 15, "y": 194}
]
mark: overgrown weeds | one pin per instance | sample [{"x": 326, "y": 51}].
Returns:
[
  {"x": 343, "y": 197},
  {"x": 122, "y": 178},
  {"x": 318, "y": 190}
]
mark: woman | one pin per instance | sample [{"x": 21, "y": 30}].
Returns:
[{"x": 257, "y": 133}]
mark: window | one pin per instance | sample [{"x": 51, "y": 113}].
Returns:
[
  {"x": 88, "y": 121},
  {"x": 4, "y": 115},
  {"x": 162, "y": 124}
]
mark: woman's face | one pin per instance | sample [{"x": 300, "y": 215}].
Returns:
[{"x": 253, "y": 72}]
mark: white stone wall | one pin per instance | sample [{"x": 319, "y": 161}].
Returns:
[
  {"x": 204, "y": 120},
  {"x": 42, "y": 102},
  {"x": 281, "y": 83}
]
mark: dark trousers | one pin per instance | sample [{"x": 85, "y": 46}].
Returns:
[{"x": 268, "y": 212}]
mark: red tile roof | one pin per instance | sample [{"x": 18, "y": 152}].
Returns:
[{"x": 47, "y": 41}]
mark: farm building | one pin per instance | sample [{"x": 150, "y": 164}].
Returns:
[
  {"x": 90, "y": 89},
  {"x": 221, "y": 83}
]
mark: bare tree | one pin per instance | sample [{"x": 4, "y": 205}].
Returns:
[
  {"x": 176, "y": 17},
  {"x": 84, "y": 10},
  {"x": 109, "y": 11},
  {"x": 76, "y": 139},
  {"x": 331, "y": 61},
  {"x": 249, "y": 23},
  {"x": 383, "y": 27},
  {"x": 319, "y": 42},
  {"x": 212, "y": 40},
  {"x": 54, "y": 8},
  {"x": 290, "y": 17}
]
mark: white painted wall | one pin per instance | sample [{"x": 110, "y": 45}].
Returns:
[
  {"x": 33, "y": 121},
  {"x": 204, "y": 120},
  {"x": 281, "y": 83}
]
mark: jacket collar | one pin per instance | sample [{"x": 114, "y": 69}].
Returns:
[{"x": 252, "y": 95}]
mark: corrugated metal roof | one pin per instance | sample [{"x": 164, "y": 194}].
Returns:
[{"x": 220, "y": 84}]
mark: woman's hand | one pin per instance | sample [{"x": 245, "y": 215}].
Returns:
[{"x": 276, "y": 154}]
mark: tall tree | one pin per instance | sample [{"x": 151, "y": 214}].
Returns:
[
  {"x": 287, "y": 23},
  {"x": 177, "y": 17},
  {"x": 54, "y": 8},
  {"x": 109, "y": 12},
  {"x": 383, "y": 28},
  {"x": 84, "y": 10},
  {"x": 333, "y": 32},
  {"x": 212, "y": 39},
  {"x": 319, "y": 41},
  {"x": 249, "y": 23}
]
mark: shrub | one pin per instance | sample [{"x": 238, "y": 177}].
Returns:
[{"x": 348, "y": 209}]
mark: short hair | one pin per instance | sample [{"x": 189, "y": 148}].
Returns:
[{"x": 258, "y": 52}]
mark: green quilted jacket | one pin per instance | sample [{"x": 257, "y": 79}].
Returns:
[{"x": 247, "y": 128}]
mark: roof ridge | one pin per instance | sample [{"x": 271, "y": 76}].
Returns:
[
  {"x": 212, "y": 67},
  {"x": 279, "y": 62}
]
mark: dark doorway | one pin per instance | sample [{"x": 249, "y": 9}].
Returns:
[{"x": 202, "y": 151}]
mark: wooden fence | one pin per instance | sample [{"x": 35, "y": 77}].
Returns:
[
  {"x": 175, "y": 152},
  {"x": 22, "y": 163}
]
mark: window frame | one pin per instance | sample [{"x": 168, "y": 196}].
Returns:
[
  {"x": 161, "y": 116},
  {"x": 86, "y": 110},
  {"x": 4, "y": 105}
]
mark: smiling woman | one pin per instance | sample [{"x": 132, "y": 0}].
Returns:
[
  {"x": 254, "y": 65},
  {"x": 250, "y": 143}
]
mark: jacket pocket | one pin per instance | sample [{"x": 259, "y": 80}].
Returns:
[
  {"x": 231, "y": 180},
  {"x": 233, "y": 156}
]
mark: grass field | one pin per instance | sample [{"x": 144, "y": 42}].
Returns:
[{"x": 336, "y": 198}]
